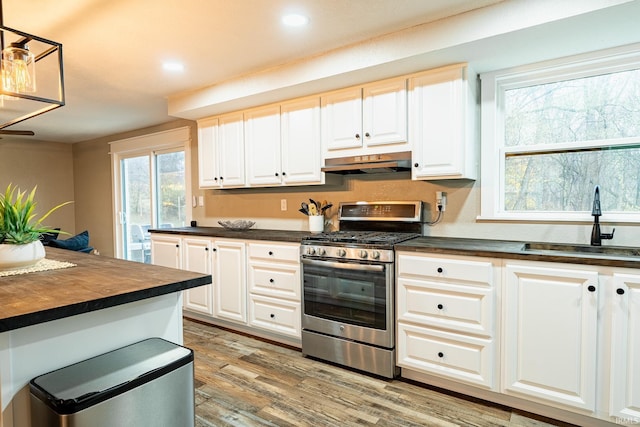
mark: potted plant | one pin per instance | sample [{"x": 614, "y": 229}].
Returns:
[{"x": 20, "y": 230}]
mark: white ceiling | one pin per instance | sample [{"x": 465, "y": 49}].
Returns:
[{"x": 114, "y": 49}]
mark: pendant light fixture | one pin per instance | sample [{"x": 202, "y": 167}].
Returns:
[{"x": 21, "y": 54}]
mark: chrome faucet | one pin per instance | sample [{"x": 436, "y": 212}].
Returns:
[{"x": 596, "y": 212}]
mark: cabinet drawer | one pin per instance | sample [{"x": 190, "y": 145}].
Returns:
[
  {"x": 446, "y": 269},
  {"x": 464, "y": 309},
  {"x": 275, "y": 252},
  {"x": 275, "y": 315},
  {"x": 277, "y": 280},
  {"x": 462, "y": 358}
]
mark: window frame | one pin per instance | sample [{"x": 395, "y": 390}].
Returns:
[{"x": 493, "y": 151}]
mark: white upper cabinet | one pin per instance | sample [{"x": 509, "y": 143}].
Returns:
[
  {"x": 442, "y": 124},
  {"x": 262, "y": 143},
  {"x": 370, "y": 119},
  {"x": 301, "y": 147},
  {"x": 221, "y": 151}
]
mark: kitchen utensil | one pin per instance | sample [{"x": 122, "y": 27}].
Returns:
[
  {"x": 313, "y": 210},
  {"x": 305, "y": 208},
  {"x": 325, "y": 207}
]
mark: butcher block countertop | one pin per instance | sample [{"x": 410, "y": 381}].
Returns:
[
  {"x": 530, "y": 251},
  {"x": 95, "y": 283}
]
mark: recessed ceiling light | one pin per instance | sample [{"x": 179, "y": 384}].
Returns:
[
  {"x": 173, "y": 67},
  {"x": 295, "y": 20}
]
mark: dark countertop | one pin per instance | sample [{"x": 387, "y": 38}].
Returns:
[
  {"x": 95, "y": 283},
  {"x": 250, "y": 234},
  {"x": 515, "y": 250}
]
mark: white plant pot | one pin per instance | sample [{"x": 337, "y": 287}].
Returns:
[
  {"x": 316, "y": 223},
  {"x": 13, "y": 257}
]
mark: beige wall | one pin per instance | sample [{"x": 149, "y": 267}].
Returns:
[{"x": 27, "y": 163}]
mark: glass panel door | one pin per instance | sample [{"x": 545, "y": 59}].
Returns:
[
  {"x": 170, "y": 173},
  {"x": 136, "y": 215}
]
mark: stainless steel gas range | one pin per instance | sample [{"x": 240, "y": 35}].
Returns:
[{"x": 349, "y": 287}]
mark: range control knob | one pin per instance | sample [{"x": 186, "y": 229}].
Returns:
[
  {"x": 375, "y": 255},
  {"x": 311, "y": 251},
  {"x": 322, "y": 252},
  {"x": 341, "y": 252},
  {"x": 363, "y": 254}
]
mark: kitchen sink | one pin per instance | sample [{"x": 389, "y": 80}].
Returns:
[{"x": 619, "y": 251}]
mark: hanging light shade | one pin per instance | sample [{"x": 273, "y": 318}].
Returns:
[
  {"x": 21, "y": 54},
  {"x": 18, "y": 69}
]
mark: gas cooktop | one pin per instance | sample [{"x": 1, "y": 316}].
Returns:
[{"x": 360, "y": 237}]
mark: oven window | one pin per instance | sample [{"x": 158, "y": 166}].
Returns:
[{"x": 346, "y": 295}]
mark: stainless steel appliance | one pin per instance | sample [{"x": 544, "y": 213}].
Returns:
[{"x": 349, "y": 288}]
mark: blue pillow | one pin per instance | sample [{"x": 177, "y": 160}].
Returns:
[{"x": 75, "y": 243}]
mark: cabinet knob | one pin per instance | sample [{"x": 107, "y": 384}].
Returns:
[
  {"x": 367, "y": 135},
  {"x": 215, "y": 179},
  {"x": 177, "y": 246},
  {"x": 214, "y": 249},
  {"x": 284, "y": 174},
  {"x": 439, "y": 270},
  {"x": 415, "y": 165},
  {"x": 440, "y": 354},
  {"x": 357, "y": 136},
  {"x": 206, "y": 249},
  {"x": 620, "y": 291},
  {"x": 591, "y": 288},
  {"x": 221, "y": 178},
  {"x": 270, "y": 252},
  {"x": 277, "y": 174},
  {"x": 273, "y": 316},
  {"x": 271, "y": 280},
  {"x": 440, "y": 306}
]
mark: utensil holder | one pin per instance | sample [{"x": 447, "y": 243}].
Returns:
[{"x": 316, "y": 224}]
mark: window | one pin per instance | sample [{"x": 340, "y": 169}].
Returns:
[
  {"x": 150, "y": 188},
  {"x": 552, "y": 132}
]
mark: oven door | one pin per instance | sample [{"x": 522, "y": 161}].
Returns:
[{"x": 350, "y": 300}]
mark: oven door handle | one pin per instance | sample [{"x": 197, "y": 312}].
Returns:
[{"x": 344, "y": 266}]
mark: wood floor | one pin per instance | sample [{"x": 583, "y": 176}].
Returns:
[{"x": 242, "y": 381}]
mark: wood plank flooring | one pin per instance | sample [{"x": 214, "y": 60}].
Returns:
[{"x": 242, "y": 381}]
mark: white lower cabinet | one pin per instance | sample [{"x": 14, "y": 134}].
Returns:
[
  {"x": 275, "y": 287},
  {"x": 230, "y": 280},
  {"x": 446, "y": 309},
  {"x": 550, "y": 333},
  {"x": 197, "y": 253},
  {"x": 624, "y": 402}
]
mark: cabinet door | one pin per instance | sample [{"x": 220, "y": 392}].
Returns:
[
  {"x": 262, "y": 139},
  {"x": 301, "y": 145},
  {"x": 165, "y": 251},
  {"x": 207, "y": 160},
  {"x": 437, "y": 103},
  {"x": 231, "y": 150},
  {"x": 550, "y": 329},
  {"x": 625, "y": 348},
  {"x": 230, "y": 281},
  {"x": 342, "y": 119},
  {"x": 196, "y": 254},
  {"x": 384, "y": 113}
]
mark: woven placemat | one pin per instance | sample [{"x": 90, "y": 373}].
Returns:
[{"x": 42, "y": 265}]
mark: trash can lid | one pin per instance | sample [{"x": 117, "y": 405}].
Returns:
[{"x": 78, "y": 386}]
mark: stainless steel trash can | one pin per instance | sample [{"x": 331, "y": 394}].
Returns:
[{"x": 149, "y": 383}]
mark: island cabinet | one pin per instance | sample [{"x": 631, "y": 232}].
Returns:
[
  {"x": 369, "y": 119},
  {"x": 275, "y": 287},
  {"x": 624, "y": 293},
  {"x": 447, "y": 317},
  {"x": 550, "y": 333},
  {"x": 443, "y": 124},
  {"x": 221, "y": 158}
]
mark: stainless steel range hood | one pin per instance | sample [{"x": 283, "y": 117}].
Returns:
[{"x": 372, "y": 163}]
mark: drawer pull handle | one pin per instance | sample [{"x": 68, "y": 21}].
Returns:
[
  {"x": 440, "y": 354},
  {"x": 440, "y": 306},
  {"x": 591, "y": 288},
  {"x": 440, "y": 270},
  {"x": 273, "y": 316},
  {"x": 620, "y": 291}
]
